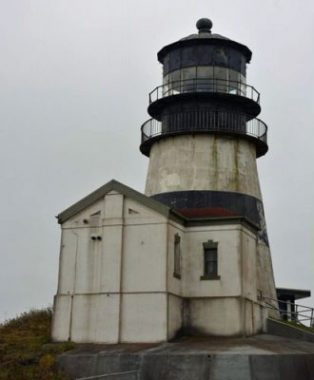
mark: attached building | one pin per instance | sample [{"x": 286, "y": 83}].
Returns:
[{"x": 133, "y": 270}]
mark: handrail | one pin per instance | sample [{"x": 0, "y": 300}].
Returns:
[
  {"x": 293, "y": 314},
  {"x": 214, "y": 122},
  {"x": 205, "y": 85},
  {"x": 107, "y": 375}
]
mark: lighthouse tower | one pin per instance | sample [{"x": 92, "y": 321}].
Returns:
[
  {"x": 191, "y": 255},
  {"x": 204, "y": 136}
]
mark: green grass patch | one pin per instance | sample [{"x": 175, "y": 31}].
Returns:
[
  {"x": 300, "y": 326},
  {"x": 297, "y": 325},
  {"x": 26, "y": 350}
]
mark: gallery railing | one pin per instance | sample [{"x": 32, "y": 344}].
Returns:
[
  {"x": 203, "y": 122},
  {"x": 214, "y": 85}
]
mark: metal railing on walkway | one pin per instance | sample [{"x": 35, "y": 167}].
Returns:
[
  {"x": 110, "y": 375},
  {"x": 209, "y": 85},
  {"x": 290, "y": 311},
  {"x": 205, "y": 121}
]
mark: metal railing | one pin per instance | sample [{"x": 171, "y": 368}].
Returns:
[
  {"x": 293, "y": 312},
  {"x": 204, "y": 85},
  {"x": 108, "y": 375},
  {"x": 206, "y": 121}
]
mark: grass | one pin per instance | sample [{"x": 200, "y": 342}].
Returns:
[
  {"x": 300, "y": 326},
  {"x": 26, "y": 350},
  {"x": 297, "y": 325}
]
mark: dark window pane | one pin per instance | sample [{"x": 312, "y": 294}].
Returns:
[
  {"x": 177, "y": 255},
  {"x": 210, "y": 262}
]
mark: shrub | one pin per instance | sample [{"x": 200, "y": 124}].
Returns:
[{"x": 26, "y": 350}]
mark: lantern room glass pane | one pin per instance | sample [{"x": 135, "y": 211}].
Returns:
[
  {"x": 221, "y": 79},
  {"x": 188, "y": 77},
  {"x": 205, "y": 72},
  {"x": 204, "y": 78},
  {"x": 172, "y": 83},
  {"x": 236, "y": 83}
]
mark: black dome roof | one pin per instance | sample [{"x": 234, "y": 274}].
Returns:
[{"x": 204, "y": 36}]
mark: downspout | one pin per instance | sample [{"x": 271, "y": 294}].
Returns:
[
  {"x": 121, "y": 277},
  {"x": 243, "y": 332},
  {"x": 74, "y": 285},
  {"x": 166, "y": 275}
]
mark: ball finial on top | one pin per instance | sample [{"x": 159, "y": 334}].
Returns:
[{"x": 204, "y": 25}]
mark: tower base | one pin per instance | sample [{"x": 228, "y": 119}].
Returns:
[{"x": 263, "y": 357}]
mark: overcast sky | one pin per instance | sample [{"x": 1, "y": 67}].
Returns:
[{"x": 74, "y": 82}]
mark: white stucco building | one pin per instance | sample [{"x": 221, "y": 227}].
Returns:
[
  {"x": 133, "y": 270},
  {"x": 191, "y": 256}
]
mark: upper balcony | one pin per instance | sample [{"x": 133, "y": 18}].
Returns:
[{"x": 204, "y": 88}]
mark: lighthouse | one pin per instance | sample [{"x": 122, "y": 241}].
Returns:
[
  {"x": 203, "y": 138},
  {"x": 190, "y": 256}
]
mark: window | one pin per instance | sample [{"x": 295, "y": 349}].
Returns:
[
  {"x": 173, "y": 83},
  {"x": 177, "y": 256},
  {"x": 210, "y": 261},
  {"x": 205, "y": 78}
]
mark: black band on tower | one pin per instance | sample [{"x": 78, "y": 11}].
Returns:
[{"x": 233, "y": 204}]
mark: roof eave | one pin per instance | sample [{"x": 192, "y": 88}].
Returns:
[{"x": 102, "y": 191}]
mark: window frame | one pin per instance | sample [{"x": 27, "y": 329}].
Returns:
[
  {"x": 210, "y": 246},
  {"x": 177, "y": 267}
]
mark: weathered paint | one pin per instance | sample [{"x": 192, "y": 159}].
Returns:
[
  {"x": 117, "y": 282},
  {"x": 203, "y": 162}
]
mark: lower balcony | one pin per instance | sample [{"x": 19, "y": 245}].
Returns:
[{"x": 208, "y": 122}]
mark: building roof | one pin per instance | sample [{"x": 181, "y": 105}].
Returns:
[
  {"x": 296, "y": 293},
  {"x": 186, "y": 217},
  {"x": 205, "y": 35},
  {"x": 102, "y": 191},
  {"x": 206, "y": 212}
]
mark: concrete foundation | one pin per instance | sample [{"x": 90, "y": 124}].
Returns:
[{"x": 263, "y": 357}]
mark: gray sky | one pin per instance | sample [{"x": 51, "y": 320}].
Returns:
[{"x": 74, "y": 82}]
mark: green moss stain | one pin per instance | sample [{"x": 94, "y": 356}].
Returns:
[
  {"x": 194, "y": 167},
  {"x": 215, "y": 161},
  {"x": 236, "y": 166}
]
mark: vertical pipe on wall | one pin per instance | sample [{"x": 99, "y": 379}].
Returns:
[
  {"x": 167, "y": 274},
  {"x": 121, "y": 275},
  {"x": 74, "y": 284},
  {"x": 242, "y": 297}
]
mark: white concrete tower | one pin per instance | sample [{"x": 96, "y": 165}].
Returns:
[{"x": 204, "y": 137}]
